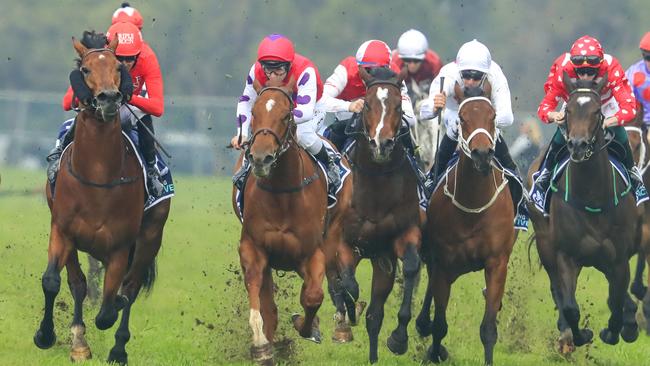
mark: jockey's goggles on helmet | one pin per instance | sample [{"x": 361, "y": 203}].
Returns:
[
  {"x": 472, "y": 74},
  {"x": 589, "y": 71},
  {"x": 411, "y": 61},
  {"x": 127, "y": 58},
  {"x": 646, "y": 55},
  {"x": 273, "y": 65},
  {"x": 580, "y": 60}
]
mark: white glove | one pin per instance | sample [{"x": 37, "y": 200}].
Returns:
[{"x": 426, "y": 109}]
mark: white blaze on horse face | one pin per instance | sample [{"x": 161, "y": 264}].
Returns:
[
  {"x": 583, "y": 100},
  {"x": 382, "y": 95},
  {"x": 269, "y": 105},
  {"x": 257, "y": 324}
]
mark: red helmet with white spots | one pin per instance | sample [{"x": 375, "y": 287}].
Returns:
[
  {"x": 129, "y": 39},
  {"x": 126, "y": 13},
  {"x": 373, "y": 53},
  {"x": 587, "y": 51},
  {"x": 276, "y": 47}
]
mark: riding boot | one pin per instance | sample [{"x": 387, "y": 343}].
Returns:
[
  {"x": 502, "y": 154},
  {"x": 336, "y": 133},
  {"x": 443, "y": 155},
  {"x": 154, "y": 181},
  {"x": 330, "y": 159},
  {"x": 544, "y": 179},
  {"x": 239, "y": 178},
  {"x": 54, "y": 155}
]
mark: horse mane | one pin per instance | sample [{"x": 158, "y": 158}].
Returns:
[
  {"x": 475, "y": 91},
  {"x": 382, "y": 73},
  {"x": 92, "y": 40}
]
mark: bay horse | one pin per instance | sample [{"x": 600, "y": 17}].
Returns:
[
  {"x": 383, "y": 222},
  {"x": 469, "y": 224},
  {"x": 592, "y": 222},
  {"x": 637, "y": 134},
  {"x": 286, "y": 224},
  {"x": 97, "y": 207}
]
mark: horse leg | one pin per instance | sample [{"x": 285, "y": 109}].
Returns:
[
  {"x": 441, "y": 287},
  {"x": 113, "y": 277},
  {"x": 630, "y": 330},
  {"x": 637, "y": 288},
  {"x": 423, "y": 322},
  {"x": 398, "y": 340},
  {"x": 58, "y": 252},
  {"x": 618, "y": 279},
  {"x": 254, "y": 264},
  {"x": 94, "y": 274},
  {"x": 495, "y": 279},
  {"x": 342, "y": 330},
  {"x": 311, "y": 298},
  {"x": 565, "y": 341},
  {"x": 568, "y": 277},
  {"x": 118, "y": 353},
  {"x": 78, "y": 287},
  {"x": 268, "y": 309},
  {"x": 383, "y": 277},
  {"x": 347, "y": 264}
]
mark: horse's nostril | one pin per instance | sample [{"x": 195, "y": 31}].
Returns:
[
  {"x": 389, "y": 143},
  {"x": 268, "y": 159}
]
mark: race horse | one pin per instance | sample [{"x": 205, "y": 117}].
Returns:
[
  {"x": 425, "y": 132},
  {"x": 469, "y": 224},
  {"x": 286, "y": 224},
  {"x": 98, "y": 207},
  {"x": 383, "y": 222},
  {"x": 592, "y": 222},
  {"x": 637, "y": 134}
]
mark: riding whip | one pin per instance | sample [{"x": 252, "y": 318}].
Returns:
[
  {"x": 439, "y": 115},
  {"x": 149, "y": 132}
]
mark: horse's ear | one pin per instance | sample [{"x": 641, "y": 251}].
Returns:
[
  {"x": 363, "y": 73},
  {"x": 112, "y": 45},
  {"x": 459, "y": 92},
  {"x": 569, "y": 84},
  {"x": 257, "y": 86},
  {"x": 487, "y": 89},
  {"x": 291, "y": 85},
  {"x": 80, "y": 48},
  {"x": 601, "y": 83}
]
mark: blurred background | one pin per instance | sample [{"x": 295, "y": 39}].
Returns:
[{"x": 205, "y": 49}]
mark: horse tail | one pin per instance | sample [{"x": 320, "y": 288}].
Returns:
[
  {"x": 531, "y": 240},
  {"x": 150, "y": 273}
]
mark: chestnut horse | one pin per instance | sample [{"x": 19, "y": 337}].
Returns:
[
  {"x": 383, "y": 223},
  {"x": 97, "y": 207},
  {"x": 469, "y": 224},
  {"x": 592, "y": 222},
  {"x": 286, "y": 223}
]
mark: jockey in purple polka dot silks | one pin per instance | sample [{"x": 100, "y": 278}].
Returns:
[
  {"x": 639, "y": 76},
  {"x": 278, "y": 61}
]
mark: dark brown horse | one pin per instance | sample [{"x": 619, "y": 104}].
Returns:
[
  {"x": 98, "y": 208},
  {"x": 286, "y": 223},
  {"x": 591, "y": 223},
  {"x": 469, "y": 224},
  {"x": 383, "y": 223},
  {"x": 637, "y": 135}
]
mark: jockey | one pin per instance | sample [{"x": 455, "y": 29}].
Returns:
[
  {"x": 277, "y": 61},
  {"x": 423, "y": 64},
  {"x": 639, "y": 76},
  {"x": 147, "y": 99},
  {"x": 344, "y": 90},
  {"x": 473, "y": 66},
  {"x": 587, "y": 61}
]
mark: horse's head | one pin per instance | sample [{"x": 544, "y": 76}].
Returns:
[
  {"x": 477, "y": 127},
  {"x": 382, "y": 114},
  {"x": 273, "y": 126},
  {"x": 584, "y": 118},
  {"x": 101, "y": 72}
]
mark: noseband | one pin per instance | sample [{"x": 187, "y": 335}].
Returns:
[
  {"x": 592, "y": 141},
  {"x": 464, "y": 143},
  {"x": 283, "y": 143}
]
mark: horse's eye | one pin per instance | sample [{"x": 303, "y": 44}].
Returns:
[{"x": 85, "y": 70}]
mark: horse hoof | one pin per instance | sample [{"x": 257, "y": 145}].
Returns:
[
  {"x": 638, "y": 290},
  {"x": 359, "y": 307},
  {"x": 119, "y": 357},
  {"x": 630, "y": 333},
  {"x": 262, "y": 355},
  {"x": 298, "y": 321},
  {"x": 608, "y": 336},
  {"x": 342, "y": 334},
  {"x": 585, "y": 336},
  {"x": 423, "y": 327},
  {"x": 396, "y": 345},
  {"x": 80, "y": 354},
  {"x": 565, "y": 343},
  {"x": 440, "y": 356},
  {"x": 44, "y": 341}
]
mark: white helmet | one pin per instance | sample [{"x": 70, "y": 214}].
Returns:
[
  {"x": 474, "y": 55},
  {"x": 412, "y": 45}
]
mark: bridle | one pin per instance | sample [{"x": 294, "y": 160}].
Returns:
[
  {"x": 94, "y": 105},
  {"x": 287, "y": 138},
  {"x": 464, "y": 143},
  {"x": 592, "y": 141},
  {"x": 371, "y": 83}
]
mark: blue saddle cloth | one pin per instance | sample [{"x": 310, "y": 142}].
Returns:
[
  {"x": 515, "y": 184},
  {"x": 165, "y": 172},
  {"x": 344, "y": 172},
  {"x": 542, "y": 200}
]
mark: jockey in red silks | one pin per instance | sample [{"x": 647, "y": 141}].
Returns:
[
  {"x": 147, "y": 99},
  {"x": 587, "y": 61},
  {"x": 278, "y": 61},
  {"x": 344, "y": 90},
  {"x": 423, "y": 64}
]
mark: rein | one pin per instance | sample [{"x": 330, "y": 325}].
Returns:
[
  {"x": 642, "y": 164},
  {"x": 114, "y": 183}
]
